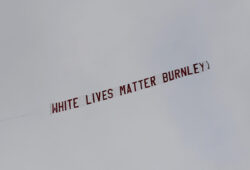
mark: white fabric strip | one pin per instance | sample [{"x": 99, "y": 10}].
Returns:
[{"x": 132, "y": 87}]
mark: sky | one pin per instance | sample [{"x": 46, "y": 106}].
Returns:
[{"x": 53, "y": 50}]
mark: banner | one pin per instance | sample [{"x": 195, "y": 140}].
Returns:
[{"x": 132, "y": 87}]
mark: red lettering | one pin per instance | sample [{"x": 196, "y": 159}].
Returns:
[
  {"x": 69, "y": 101},
  {"x": 87, "y": 100},
  {"x": 98, "y": 95},
  {"x": 54, "y": 109},
  {"x": 146, "y": 83},
  {"x": 152, "y": 79},
  {"x": 60, "y": 106},
  {"x": 140, "y": 81},
  {"x": 183, "y": 71},
  {"x": 177, "y": 73},
  {"x": 122, "y": 89},
  {"x": 129, "y": 89},
  {"x": 189, "y": 73},
  {"x": 110, "y": 92},
  {"x": 202, "y": 66},
  {"x": 134, "y": 83},
  {"x": 75, "y": 102},
  {"x": 104, "y": 95},
  {"x": 165, "y": 77},
  {"x": 195, "y": 68},
  {"x": 171, "y": 78}
]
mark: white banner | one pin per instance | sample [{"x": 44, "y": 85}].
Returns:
[{"x": 132, "y": 87}]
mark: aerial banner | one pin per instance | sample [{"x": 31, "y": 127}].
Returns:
[{"x": 132, "y": 87}]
